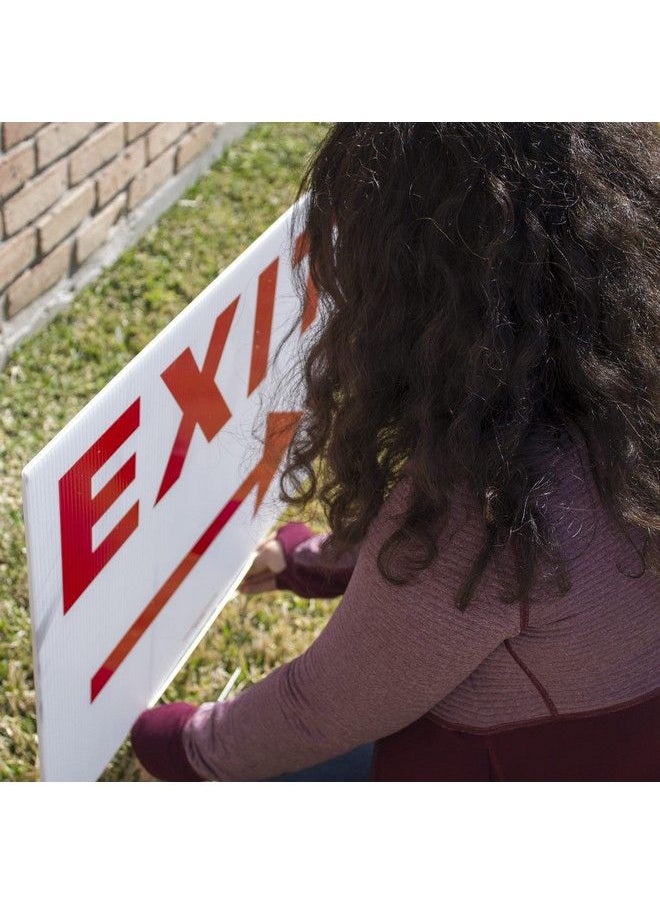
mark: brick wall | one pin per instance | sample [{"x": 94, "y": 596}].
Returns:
[{"x": 66, "y": 188}]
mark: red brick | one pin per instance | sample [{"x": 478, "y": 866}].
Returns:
[
  {"x": 35, "y": 197},
  {"x": 93, "y": 234},
  {"x": 65, "y": 216},
  {"x": 102, "y": 146},
  {"x": 147, "y": 181},
  {"x": 16, "y": 254},
  {"x": 58, "y": 138},
  {"x": 194, "y": 143},
  {"x": 118, "y": 174},
  {"x": 135, "y": 129},
  {"x": 16, "y": 167},
  {"x": 162, "y": 136},
  {"x": 35, "y": 281},
  {"x": 13, "y": 132}
]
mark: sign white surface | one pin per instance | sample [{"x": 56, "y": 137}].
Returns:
[{"x": 143, "y": 513}]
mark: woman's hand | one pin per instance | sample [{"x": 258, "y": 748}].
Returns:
[{"x": 268, "y": 562}]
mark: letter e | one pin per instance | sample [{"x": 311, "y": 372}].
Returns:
[{"x": 79, "y": 510}]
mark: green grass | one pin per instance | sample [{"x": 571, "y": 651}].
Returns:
[{"x": 54, "y": 374}]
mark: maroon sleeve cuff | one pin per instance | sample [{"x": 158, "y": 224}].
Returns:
[
  {"x": 291, "y": 535},
  {"x": 158, "y": 743},
  {"x": 309, "y": 578}
]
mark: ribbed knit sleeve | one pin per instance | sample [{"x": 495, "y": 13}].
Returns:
[{"x": 386, "y": 656}]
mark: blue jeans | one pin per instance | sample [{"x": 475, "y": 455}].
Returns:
[{"x": 353, "y": 766}]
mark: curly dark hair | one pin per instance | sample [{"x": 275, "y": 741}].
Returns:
[{"x": 476, "y": 280}]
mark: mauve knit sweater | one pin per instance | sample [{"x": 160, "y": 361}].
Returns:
[{"x": 389, "y": 654}]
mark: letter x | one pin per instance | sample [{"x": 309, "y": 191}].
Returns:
[{"x": 198, "y": 397}]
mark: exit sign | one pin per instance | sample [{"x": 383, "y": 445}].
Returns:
[{"x": 143, "y": 513}]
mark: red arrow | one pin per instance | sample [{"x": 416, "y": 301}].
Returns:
[{"x": 280, "y": 427}]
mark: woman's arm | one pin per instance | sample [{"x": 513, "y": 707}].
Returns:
[
  {"x": 387, "y": 655},
  {"x": 307, "y": 572}
]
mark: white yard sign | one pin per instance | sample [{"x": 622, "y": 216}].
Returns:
[{"x": 143, "y": 513}]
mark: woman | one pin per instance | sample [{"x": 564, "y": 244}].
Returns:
[{"x": 483, "y": 398}]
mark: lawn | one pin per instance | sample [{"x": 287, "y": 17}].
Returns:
[{"x": 54, "y": 374}]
